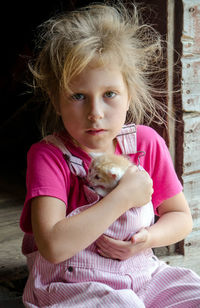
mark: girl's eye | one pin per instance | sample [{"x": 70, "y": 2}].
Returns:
[
  {"x": 97, "y": 177},
  {"x": 78, "y": 97},
  {"x": 110, "y": 94}
]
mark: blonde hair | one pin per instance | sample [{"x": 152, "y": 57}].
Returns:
[{"x": 104, "y": 33}]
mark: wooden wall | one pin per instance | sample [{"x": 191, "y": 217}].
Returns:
[
  {"x": 188, "y": 134},
  {"x": 191, "y": 117}
]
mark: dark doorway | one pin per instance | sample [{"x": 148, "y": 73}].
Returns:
[{"x": 20, "y": 114}]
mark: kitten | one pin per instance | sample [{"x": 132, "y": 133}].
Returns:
[{"x": 105, "y": 172}]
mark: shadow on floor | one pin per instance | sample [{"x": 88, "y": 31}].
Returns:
[
  {"x": 13, "y": 303},
  {"x": 13, "y": 270}
]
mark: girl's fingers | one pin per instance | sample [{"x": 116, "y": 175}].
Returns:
[
  {"x": 110, "y": 244},
  {"x": 114, "y": 249},
  {"x": 113, "y": 255},
  {"x": 122, "y": 250},
  {"x": 103, "y": 254}
]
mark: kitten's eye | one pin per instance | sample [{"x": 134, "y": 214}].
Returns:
[
  {"x": 78, "y": 97},
  {"x": 97, "y": 177},
  {"x": 110, "y": 94}
]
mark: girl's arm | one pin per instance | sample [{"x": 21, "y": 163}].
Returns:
[
  {"x": 173, "y": 225},
  {"x": 59, "y": 238}
]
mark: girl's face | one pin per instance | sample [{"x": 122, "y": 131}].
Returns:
[{"x": 94, "y": 114}]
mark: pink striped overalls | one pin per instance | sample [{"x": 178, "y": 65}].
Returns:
[{"x": 89, "y": 280}]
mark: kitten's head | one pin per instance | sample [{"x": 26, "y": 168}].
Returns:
[{"x": 105, "y": 172}]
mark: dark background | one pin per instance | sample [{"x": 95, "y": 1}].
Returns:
[{"x": 19, "y": 112}]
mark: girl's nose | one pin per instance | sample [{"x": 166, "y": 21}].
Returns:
[{"x": 95, "y": 110}]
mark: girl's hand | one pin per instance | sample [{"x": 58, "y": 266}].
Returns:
[
  {"x": 136, "y": 186},
  {"x": 122, "y": 250}
]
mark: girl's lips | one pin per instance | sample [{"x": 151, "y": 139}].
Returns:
[{"x": 95, "y": 131}]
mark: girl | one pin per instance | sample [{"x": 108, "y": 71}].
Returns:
[{"x": 95, "y": 68}]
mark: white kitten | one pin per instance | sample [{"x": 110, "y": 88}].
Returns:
[{"x": 105, "y": 172}]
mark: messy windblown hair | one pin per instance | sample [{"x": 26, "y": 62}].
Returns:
[{"x": 107, "y": 34}]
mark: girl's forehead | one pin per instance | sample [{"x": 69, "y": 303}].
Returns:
[
  {"x": 98, "y": 66},
  {"x": 99, "y": 75}
]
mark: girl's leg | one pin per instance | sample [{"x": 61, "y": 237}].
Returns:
[
  {"x": 81, "y": 294},
  {"x": 173, "y": 287},
  {"x": 93, "y": 295}
]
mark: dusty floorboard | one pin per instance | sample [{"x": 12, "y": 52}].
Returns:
[{"x": 13, "y": 271}]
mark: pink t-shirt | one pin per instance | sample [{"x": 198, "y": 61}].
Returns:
[{"x": 48, "y": 173}]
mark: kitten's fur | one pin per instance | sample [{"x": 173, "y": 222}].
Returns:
[{"x": 105, "y": 172}]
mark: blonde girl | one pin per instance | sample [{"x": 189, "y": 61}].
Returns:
[{"x": 95, "y": 69}]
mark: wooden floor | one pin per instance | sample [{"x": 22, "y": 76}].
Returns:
[{"x": 13, "y": 271}]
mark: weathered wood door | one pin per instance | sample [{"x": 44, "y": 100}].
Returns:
[{"x": 183, "y": 77}]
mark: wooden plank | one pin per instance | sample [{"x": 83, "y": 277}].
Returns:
[
  {"x": 195, "y": 210},
  {"x": 190, "y": 69},
  {"x": 191, "y": 83},
  {"x": 191, "y": 56},
  {"x": 191, "y": 146},
  {"x": 190, "y": 260},
  {"x": 191, "y": 119},
  {"x": 192, "y": 187},
  {"x": 191, "y": 26},
  {"x": 190, "y": 96},
  {"x": 192, "y": 243}
]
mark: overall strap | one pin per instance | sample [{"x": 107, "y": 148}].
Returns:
[
  {"x": 75, "y": 164},
  {"x": 127, "y": 139}
]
